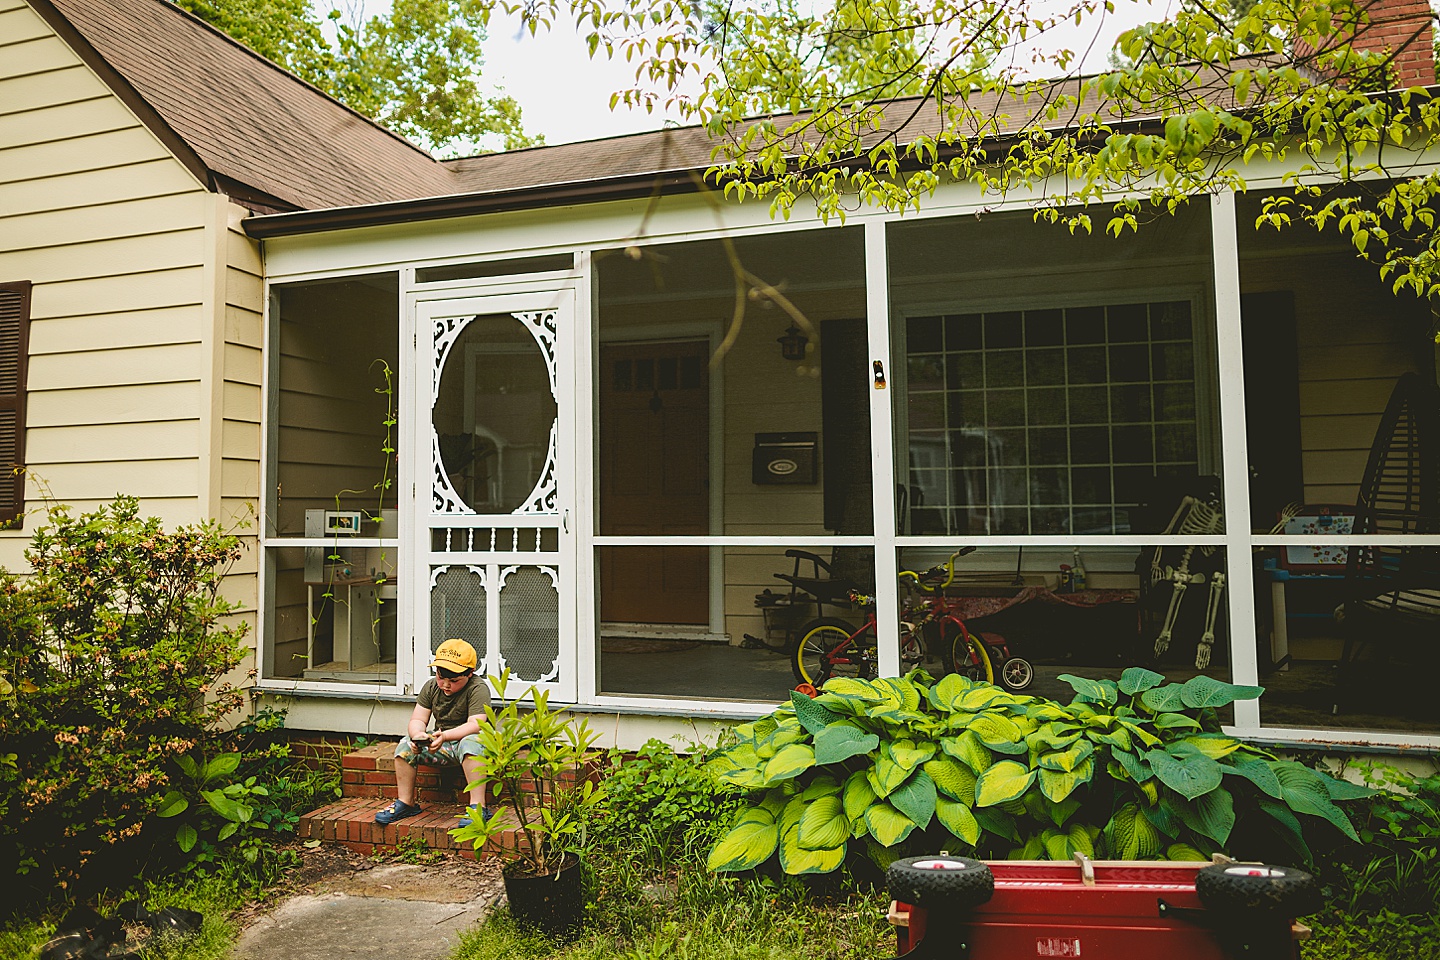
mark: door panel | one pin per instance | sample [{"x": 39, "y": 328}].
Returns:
[
  {"x": 499, "y": 551},
  {"x": 654, "y": 480}
]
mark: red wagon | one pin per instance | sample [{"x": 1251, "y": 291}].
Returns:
[{"x": 952, "y": 908}]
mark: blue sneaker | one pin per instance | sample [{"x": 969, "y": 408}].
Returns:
[
  {"x": 486, "y": 815},
  {"x": 398, "y": 810}
]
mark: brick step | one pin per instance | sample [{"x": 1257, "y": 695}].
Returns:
[
  {"x": 370, "y": 773},
  {"x": 351, "y": 821}
]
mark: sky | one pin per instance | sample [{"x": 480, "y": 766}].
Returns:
[{"x": 565, "y": 96}]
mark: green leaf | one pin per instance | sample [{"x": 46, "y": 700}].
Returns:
[
  {"x": 1203, "y": 691},
  {"x": 1062, "y": 810},
  {"x": 1344, "y": 789},
  {"x": 856, "y": 796},
  {"x": 1175, "y": 721},
  {"x": 997, "y": 732},
  {"x": 186, "y": 836},
  {"x": 1068, "y": 759},
  {"x": 1095, "y": 691},
  {"x": 173, "y": 804},
  {"x": 1213, "y": 745},
  {"x": 1132, "y": 836},
  {"x": 916, "y": 799},
  {"x": 1164, "y": 699},
  {"x": 1304, "y": 792},
  {"x": 229, "y": 809},
  {"x": 840, "y": 741},
  {"x": 1289, "y": 825},
  {"x": 1190, "y": 776},
  {"x": 1058, "y": 785},
  {"x": 896, "y": 762},
  {"x": 968, "y": 750},
  {"x": 188, "y": 767},
  {"x": 1004, "y": 781},
  {"x": 813, "y": 717},
  {"x": 1214, "y": 815},
  {"x": 1257, "y": 772},
  {"x": 952, "y": 778},
  {"x": 791, "y": 761},
  {"x": 749, "y": 843},
  {"x": 824, "y": 826},
  {"x": 227, "y": 831},
  {"x": 958, "y": 819},
  {"x": 887, "y": 825},
  {"x": 1183, "y": 851},
  {"x": 221, "y": 766},
  {"x": 1135, "y": 765},
  {"x": 1137, "y": 680},
  {"x": 997, "y": 822}
]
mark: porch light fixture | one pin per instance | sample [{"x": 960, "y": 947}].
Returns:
[{"x": 792, "y": 344}]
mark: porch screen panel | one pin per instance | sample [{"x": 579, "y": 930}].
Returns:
[
  {"x": 458, "y": 603},
  {"x": 530, "y": 622},
  {"x": 1057, "y": 385}
]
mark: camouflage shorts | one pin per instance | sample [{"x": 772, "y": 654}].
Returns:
[{"x": 451, "y": 751}]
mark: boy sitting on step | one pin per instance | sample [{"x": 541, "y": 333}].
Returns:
[{"x": 455, "y": 700}]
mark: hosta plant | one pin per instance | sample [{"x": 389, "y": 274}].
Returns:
[{"x": 1134, "y": 769}]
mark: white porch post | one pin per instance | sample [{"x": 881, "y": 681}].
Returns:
[
  {"x": 1234, "y": 458},
  {"x": 882, "y": 459}
]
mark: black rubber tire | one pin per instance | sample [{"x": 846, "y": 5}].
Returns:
[
  {"x": 817, "y": 638},
  {"x": 1250, "y": 890},
  {"x": 940, "y": 881}
]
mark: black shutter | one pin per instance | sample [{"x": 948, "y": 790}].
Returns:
[{"x": 14, "y": 356}]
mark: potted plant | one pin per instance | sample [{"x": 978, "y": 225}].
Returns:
[{"x": 536, "y": 760}]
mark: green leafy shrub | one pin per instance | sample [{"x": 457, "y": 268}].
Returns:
[
  {"x": 115, "y": 652},
  {"x": 1131, "y": 770},
  {"x": 1397, "y": 870},
  {"x": 660, "y": 805}
]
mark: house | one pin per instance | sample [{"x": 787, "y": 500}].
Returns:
[{"x": 515, "y": 398}]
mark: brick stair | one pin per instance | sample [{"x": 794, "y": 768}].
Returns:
[{"x": 367, "y": 781}]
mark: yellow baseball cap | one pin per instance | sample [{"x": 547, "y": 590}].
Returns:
[{"x": 455, "y": 654}]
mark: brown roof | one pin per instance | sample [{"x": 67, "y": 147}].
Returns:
[{"x": 245, "y": 118}]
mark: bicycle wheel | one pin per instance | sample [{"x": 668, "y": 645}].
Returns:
[
  {"x": 825, "y": 650},
  {"x": 969, "y": 658}
]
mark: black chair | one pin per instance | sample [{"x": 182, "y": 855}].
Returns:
[{"x": 1391, "y": 599}]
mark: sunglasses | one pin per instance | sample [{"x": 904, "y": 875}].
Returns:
[{"x": 451, "y": 674}]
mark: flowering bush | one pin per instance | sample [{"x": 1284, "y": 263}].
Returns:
[{"x": 114, "y": 650}]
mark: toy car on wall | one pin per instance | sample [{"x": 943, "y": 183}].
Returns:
[{"x": 953, "y": 908}]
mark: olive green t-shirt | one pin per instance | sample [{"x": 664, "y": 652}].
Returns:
[{"x": 456, "y": 710}]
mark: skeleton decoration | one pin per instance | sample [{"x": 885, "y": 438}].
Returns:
[{"x": 1193, "y": 518}]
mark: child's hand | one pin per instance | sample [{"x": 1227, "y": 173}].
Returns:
[{"x": 435, "y": 741}]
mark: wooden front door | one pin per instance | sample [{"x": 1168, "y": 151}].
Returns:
[{"x": 654, "y": 480}]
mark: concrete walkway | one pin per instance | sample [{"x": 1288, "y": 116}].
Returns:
[{"x": 391, "y": 911}]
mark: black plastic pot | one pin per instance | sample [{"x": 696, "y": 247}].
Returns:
[{"x": 552, "y": 903}]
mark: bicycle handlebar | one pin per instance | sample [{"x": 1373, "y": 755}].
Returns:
[{"x": 927, "y": 581}]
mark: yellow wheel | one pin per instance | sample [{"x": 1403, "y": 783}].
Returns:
[
  {"x": 970, "y": 659},
  {"x": 825, "y": 651}
]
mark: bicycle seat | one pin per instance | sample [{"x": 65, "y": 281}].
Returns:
[{"x": 833, "y": 590}]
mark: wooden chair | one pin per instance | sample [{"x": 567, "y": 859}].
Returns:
[{"x": 1391, "y": 599}]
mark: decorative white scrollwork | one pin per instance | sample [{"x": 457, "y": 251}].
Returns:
[{"x": 542, "y": 326}]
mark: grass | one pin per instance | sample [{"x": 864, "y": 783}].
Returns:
[
  {"x": 216, "y": 897},
  {"x": 724, "y": 918},
  {"x": 1382, "y": 937}
]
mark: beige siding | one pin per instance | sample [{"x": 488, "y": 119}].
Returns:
[
  {"x": 146, "y": 303},
  {"x": 1355, "y": 339}
]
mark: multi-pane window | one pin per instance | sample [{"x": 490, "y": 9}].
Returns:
[{"x": 1047, "y": 421}]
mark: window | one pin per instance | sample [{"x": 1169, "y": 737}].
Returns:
[
  {"x": 1047, "y": 421},
  {"x": 14, "y": 356}
]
